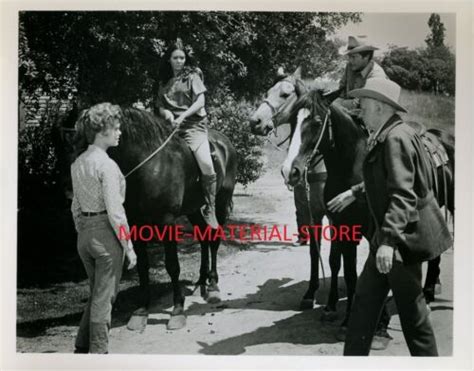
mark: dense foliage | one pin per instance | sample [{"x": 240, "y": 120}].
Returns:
[{"x": 114, "y": 56}]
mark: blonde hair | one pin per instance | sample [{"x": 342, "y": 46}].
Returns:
[{"x": 94, "y": 120}]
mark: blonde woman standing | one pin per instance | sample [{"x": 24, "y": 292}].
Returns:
[{"x": 98, "y": 213}]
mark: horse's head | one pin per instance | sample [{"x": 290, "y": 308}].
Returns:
[
  {"x": 310, "y": 134},
  {"x": 278, "y": 103}
]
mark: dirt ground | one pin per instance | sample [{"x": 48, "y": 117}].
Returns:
[{"x": 261, "y": 286}]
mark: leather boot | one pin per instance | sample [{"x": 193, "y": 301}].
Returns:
[{"x": 208, "y": 211}]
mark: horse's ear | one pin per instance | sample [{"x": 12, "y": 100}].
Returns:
[
  {"x": 332, "y": 96},
  {"x": 300, "y": 88},
  {"x": 297, "y": 73}
]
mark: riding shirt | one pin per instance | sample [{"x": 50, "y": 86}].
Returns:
[
  {"x": 177, "y": 95},
  {"x": 98, "y": 186}
]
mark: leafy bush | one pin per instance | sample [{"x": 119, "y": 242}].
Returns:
[
  {"x": 230, "y": 116},
  {"x": 38, "y": 172}
]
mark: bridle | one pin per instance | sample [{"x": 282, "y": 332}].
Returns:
[
  {"x": 327, "y": 122},
  {"x": 275, "y": 112}
]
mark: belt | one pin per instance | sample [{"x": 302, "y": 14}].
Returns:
[{"x": 91, "y": 213}]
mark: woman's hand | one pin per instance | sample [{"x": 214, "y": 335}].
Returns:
[
  {"x": 131, "y": 256},
  {"x": 168, "y": 116},
  {"x": 341, "y": 201},
  {"x": 179, "y": 120}
]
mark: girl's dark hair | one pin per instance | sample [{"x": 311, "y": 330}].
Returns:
[{"x": 165, "y": 71}]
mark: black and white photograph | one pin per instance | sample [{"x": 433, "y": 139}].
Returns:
[{"x": 240, "y": 182}]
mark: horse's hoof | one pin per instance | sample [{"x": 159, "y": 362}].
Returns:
[
  {"x": 329, "y": 315},
  {"x": 320, "y": 297},
  {"x": 429, "y": 296},
  {"x": 176, "y": 322},
  {"x": 213, "y": 297},
  {"x": 341, "y": 333},
  {"x": 380, "y": 340},
  {"x": 138, "y": 320},
  {"x": 203, "y": 291},
  {"x": 306, "y": 304}
]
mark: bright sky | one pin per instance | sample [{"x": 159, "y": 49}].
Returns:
[{"x": 401, "y": 29}]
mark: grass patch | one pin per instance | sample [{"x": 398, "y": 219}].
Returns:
[{"x": 433, "y": 111}]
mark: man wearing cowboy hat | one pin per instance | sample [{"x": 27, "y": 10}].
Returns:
[
  {"x": 359, "y": 68},
  {"x": 407, "y": 226}
]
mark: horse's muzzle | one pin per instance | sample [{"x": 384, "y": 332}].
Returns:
[{"x": 258, "y": 127}]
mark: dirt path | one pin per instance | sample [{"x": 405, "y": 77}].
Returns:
[{"x": 261, "y": 286}]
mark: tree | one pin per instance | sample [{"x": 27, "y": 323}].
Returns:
[
  {"x": 436, "y": 38},
  {"x": 430, "y": 69},
  {"x": 114, "y": 56}
]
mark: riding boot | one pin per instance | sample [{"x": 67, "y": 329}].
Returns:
[{"x": 208, "y": 211}]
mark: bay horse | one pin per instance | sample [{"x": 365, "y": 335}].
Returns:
[
  {"x": 280, "y": 107},
  {"x": 164, "y": 188},
  {"x": 326, "y": 128}
]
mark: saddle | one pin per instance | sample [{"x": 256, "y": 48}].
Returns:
[
  {"x": 432, "y": 144},
  {"x": 437, "y": 155}
]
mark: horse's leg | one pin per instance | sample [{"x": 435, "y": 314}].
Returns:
[
  {"x": 204, "y": 269},
  {"x": 308, "y": 299},
  {"x": 432, "y": 278},
  {"x": 143, "y": 266},
  {"x": 139, "y": 317},
  {"x": 223, "y": 202},
  {"x": 349, "y": 254},
  {"x": 330, "y": 312},
  {"x": 213, "y": 292},
  {"x": 197, "y": 221},
  {"x": 178, "y": 319},
  {"x": 317, "y": 210}
]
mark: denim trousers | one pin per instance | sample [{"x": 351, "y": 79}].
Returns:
[{"x": 103, "y": 257}]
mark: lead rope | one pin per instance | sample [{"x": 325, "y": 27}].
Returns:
[{"x": 153, "y": 153}]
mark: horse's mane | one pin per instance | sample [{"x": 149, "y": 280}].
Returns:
[
  {"x": 143, "y": 127},
  {"x": 315, "y": 102}
]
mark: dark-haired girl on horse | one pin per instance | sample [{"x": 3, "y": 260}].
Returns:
[{"x": 181, "y": 101}]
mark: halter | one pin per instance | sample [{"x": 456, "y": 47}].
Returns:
[{"x": 274, "y": 110}]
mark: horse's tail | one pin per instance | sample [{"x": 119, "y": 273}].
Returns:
[{"x": 447, "y": 140}]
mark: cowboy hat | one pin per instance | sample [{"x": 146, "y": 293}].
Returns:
[
  {"x": 383, "y": 90},
  {"x": 356, "y": 45}
]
